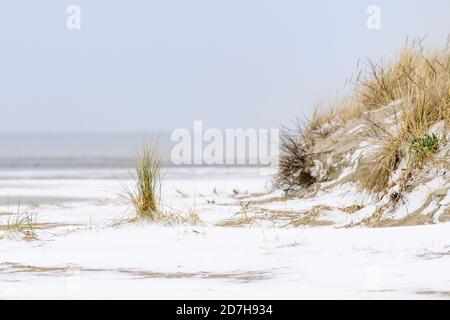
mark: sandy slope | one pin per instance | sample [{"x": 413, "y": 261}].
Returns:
[{"x": 83, "y": 252}]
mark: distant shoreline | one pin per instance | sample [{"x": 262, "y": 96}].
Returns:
[{"x": 94, "y": 162}]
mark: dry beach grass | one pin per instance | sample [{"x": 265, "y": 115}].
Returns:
[
  {"x": 146, "y": 196},
  {"x": 416, "y": 85}
]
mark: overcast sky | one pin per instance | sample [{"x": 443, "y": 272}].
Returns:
[{"x": 160, "y": 65}]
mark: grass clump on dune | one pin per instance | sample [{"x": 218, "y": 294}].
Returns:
[
  {"x": 295, "y": 161},
  {"x": 417, "y": 76},
  {"x": 146, "y": 194},
  {"x": 421, "y": 84},
  {"x": 22, "y": 221}
]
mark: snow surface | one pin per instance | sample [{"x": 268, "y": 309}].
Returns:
[{"x": 88, "y": 254}]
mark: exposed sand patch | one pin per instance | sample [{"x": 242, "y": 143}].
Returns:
[
  {"x": 66, "y": 271},
  {"x": 48, "y": 225},
  {"x": 278, "y": 218},
  {"x": 441, "y": 294}
]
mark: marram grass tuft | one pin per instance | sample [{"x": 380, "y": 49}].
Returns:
[{"x": 146, "y": 194}]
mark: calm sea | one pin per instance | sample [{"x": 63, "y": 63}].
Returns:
[
  {"x": 78, "y": 150},
  {"x": 74, "y": 150}
]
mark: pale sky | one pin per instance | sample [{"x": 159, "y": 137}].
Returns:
[{"x": 160, "y": 65}]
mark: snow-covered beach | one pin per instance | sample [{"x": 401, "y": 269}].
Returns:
[
  {"x": 84, "y": 248},
  {"x": 224, "y": 150}
]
